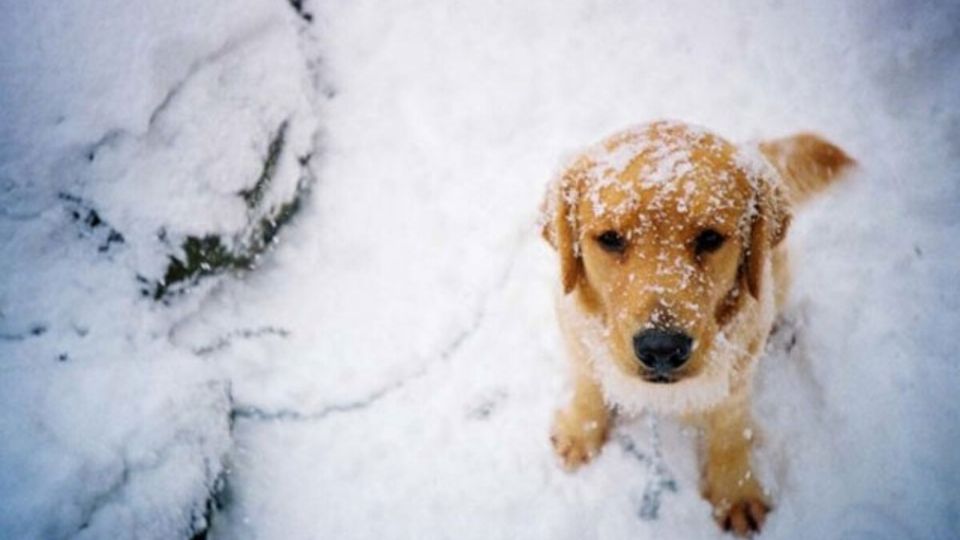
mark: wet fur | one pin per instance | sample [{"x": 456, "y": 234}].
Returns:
[{"x": 726, "y": 300}]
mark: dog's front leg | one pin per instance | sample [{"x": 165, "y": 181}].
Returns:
[
  {"x": 739, "y": 503},
  {"x": 580, "y": 429}
]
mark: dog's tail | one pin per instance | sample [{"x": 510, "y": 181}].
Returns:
[{"x": 807, "y": 163}]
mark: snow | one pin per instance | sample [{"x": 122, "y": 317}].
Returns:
[
  {"x": 391, "y": 368},
  {"x": 126, "y": 127}
]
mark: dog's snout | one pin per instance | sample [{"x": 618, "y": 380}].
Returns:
[{"x": 663, "y": 351}]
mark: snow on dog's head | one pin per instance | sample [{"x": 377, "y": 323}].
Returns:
[{"x": 663, "y": 232}]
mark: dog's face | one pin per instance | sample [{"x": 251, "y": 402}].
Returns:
[{"x": 664, "y": 229}]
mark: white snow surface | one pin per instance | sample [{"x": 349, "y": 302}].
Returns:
[
  {"x": 126, "y": 126},
  {"x": 391, "y": 368}
]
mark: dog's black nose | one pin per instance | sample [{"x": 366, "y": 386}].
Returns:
[{"x": 662, "y": 351}]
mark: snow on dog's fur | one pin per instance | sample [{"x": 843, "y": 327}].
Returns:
[{"x": 670, "y": 229}]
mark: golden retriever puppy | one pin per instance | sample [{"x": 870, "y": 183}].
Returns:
[{"x": 672, "y": 268}]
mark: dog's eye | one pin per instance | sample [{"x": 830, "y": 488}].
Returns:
[
  {"x": 708, "y": 241},
  {"x": 612, "y": 241}
]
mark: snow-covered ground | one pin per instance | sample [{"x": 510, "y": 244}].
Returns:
[{"x": 389, "y": 370}]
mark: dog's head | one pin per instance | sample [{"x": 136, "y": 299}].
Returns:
[{"x": 664, "y": 230}]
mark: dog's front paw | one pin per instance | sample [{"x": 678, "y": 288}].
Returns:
[
  {"x": 740, "y": 504},
  {"x": 577, "y": 438},
  {"x": 743, "y": 517},
  {"x": 740, "y": 508}
]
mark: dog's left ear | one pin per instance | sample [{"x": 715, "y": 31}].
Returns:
[
  {"x": 768, "y": 227},
  {"x": 560, "y": 224}
]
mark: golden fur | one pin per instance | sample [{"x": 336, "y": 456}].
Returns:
[{"x": 656, "y": 188}]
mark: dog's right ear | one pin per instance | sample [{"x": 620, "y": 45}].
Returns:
[{"x": 560, "y": 224}]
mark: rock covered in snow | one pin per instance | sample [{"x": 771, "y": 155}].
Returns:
[{"x": 143, "y": 146}]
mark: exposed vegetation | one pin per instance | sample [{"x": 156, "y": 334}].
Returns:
[
  {"x": 212, "y": 254},
  {"x": 202, "y": 257},
  {"x": 297, "y": 6},
  {"x": 83, "y": 213},
  {"x": 216, "y": 502},
  {"x": 254, "y": 196}
]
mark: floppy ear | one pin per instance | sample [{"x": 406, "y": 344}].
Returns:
[
  {"x": 768, "y": 227},
  {"x": 560, "y": 225}
]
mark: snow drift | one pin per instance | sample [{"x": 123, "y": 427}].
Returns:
[{"x": 391, "y": 367}]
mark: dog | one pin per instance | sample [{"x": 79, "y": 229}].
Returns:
[{"x": 673, "y": 269}]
